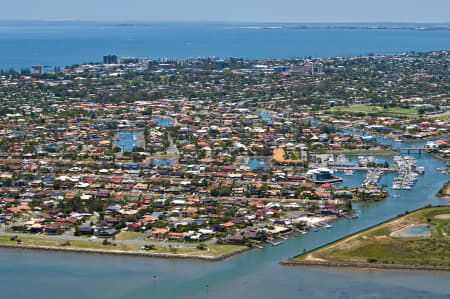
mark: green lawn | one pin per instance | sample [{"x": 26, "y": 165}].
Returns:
[
  {"x": 378, "y": 245},
  {"x": 366, "y": 109},
  {"x": 128, "y": 235},
  {"x": 212, "y": 250}
]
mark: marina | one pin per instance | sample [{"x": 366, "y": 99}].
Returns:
[
  {"x": 131, "y": 276},
  {"x": 198, "y": 116},
  {"x": 408, "y": 173},
  {"x": 372, "y": 177}
]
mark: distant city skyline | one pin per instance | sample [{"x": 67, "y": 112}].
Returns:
[{"x": 230, "y": 11}]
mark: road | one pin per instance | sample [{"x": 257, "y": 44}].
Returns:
[
  {"x": 68, "y": 236},
  {"x": 172, "y": 146}
]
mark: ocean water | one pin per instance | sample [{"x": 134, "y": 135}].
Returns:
[
  {"x": 254, "y": 274},
  {"x": 65, "y": 43}
]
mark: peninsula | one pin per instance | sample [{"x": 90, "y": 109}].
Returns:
[{"x": 418, "y": 241}]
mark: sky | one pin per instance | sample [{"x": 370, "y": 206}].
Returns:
[{"x": 229, "y": 10}]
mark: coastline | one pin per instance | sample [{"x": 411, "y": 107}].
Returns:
[
  {"x": 442, "y": 192},
  {"x": 307, "y": 258},
  {"x": 127, "y": 253},
  {"x": 387, "y": 136},
  {"x": 366, "y": 266},
  {"x": 439, "y": 157}
]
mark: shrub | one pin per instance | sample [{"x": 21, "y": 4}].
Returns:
[
  {"x": 372, "y": 260},
  {"x": 202, "y": 246},
  {"x": 67, "y": 243}
]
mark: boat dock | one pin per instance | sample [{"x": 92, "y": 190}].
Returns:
[{"x": 364, "y": 168}]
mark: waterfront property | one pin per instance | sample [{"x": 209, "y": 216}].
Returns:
[{"x": 151, "y": 154}]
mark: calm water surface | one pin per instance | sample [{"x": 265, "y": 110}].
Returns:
[
  {"x": 128, "y": 139},
  {"x": 255, "y": 274},
  {"x": 24, "y": 44}
]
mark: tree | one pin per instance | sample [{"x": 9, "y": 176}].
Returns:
[
  {"x": 202, "y": 246},
  {"x": 77, "y": 230},
  {"x": 349, "y": 205}
]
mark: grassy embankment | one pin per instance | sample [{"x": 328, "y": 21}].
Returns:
[
  {"x": 357, "y": 152},
  {"x": 366, "y": 109},
  {"x": 378, "y": 246},
  {"x": 123, "y": 235},
  {"x": 400, "y": 112},
  {"x": 212, "y": 250}
]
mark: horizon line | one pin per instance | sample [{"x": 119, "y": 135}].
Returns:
[{"x": 225, "y": 21}]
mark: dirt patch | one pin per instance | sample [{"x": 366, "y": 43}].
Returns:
[
  {"x": 311, "y": 258},
  {"x": 442, "y": 216},
  {"x": 347, "y": 245}
]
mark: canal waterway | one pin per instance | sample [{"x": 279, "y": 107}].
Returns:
[
  {"x": 163, "y": 162},
  {"x": 128, "y": 139},
  {"x": 257, "y": 164},
  {"x": 164, "y": 122},
  {"x": 264, "y": 115},
  {"x": 254, "y": 274}
]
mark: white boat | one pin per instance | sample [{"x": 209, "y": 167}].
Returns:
[
  {"x": 274, "y": 243},
  {"x": 349, "y": 172}
]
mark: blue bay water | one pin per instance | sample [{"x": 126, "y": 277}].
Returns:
[{"x": 64, "y": 43}]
